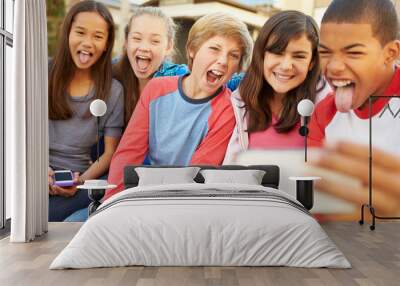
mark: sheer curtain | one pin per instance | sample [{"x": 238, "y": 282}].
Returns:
[{"x": 27, "y": 123}]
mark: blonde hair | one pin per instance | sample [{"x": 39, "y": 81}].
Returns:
[
  {"x": 123, "y": 70},
  {"x": 219, "y": 24},
  {"x": 155, "y": 12}
]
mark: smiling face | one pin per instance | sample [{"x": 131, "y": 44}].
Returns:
[
  {"x": 287, "y": 70},
  {"x": 354, "y": 63},
  {"x": 87, "y": 39},
  {"x": 214, "y": 63},
  {"x": 147, "y": 45}
]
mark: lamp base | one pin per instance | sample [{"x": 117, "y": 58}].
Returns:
[
  {"x": 95, "y": 195},
  {"x": 305, "y": 193}
]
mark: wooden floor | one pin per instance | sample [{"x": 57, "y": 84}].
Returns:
[{"x": 374, "y": 255}]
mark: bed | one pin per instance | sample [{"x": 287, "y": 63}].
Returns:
[{"x": 201, "y": 224}]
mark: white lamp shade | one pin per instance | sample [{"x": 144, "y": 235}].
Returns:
[
  {"x": 305, "y": 107},
  {"x": 98, "y": 107}
]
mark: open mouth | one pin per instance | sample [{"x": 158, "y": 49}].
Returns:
[
  {"x": 143, "y": 62},
  {"x": 84, "y": 56},
  {"x": 342, "y": 83},
  {"x": 344, "y": 94},
  {"x": 282, "y": 77},
  {"x": 214, "y": 76}
]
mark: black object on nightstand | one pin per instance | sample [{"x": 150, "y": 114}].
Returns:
[
  {"x": 96, "y": 191},
  {"x": 95, "y": 195},
  {"x": 305, "y": 190}
]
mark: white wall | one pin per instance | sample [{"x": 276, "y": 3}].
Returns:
[
  {"x": 318, "y": 13},
  {"x": 305, "y": 6}
]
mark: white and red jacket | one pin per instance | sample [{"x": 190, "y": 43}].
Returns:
[
  {"x": 240, "y": 138},
  {"x": 328, "y": 124}
]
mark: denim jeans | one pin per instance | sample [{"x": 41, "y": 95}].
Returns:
[
  {"x": 62, "y": 207},
  {"x": 78, "y": 216}
]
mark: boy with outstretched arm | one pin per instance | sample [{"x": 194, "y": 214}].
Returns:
[{"x": 358, "y": 51}]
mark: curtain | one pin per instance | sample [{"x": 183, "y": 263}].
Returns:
[{"x": 27, "y": 124}]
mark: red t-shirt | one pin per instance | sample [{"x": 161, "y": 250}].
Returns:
[{"x": 327, "y": 124}]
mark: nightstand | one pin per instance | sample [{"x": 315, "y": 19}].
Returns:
[
  {"x": 96, "y": 191},
  {"x": 304, "y": 190}
]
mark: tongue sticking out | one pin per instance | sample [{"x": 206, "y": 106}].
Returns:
[
  {"x": 143, "y": 64},
  {"x": 84, "y": 58},
  {"x": 344, "y": 98}
]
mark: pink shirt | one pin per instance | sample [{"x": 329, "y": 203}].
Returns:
[{"x": 270, "y": 139}]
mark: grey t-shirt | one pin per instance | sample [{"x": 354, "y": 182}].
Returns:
[{"x": 71, "y": 140}]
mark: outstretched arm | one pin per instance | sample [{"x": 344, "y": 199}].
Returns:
[
  {"x": 133, "y": 146},
  {"x": 352, "y": 160}
]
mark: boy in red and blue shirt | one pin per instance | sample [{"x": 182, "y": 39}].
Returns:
[{"x": 188, "y": 119}]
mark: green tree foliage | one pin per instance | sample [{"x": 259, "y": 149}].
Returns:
[{"x": 55, "y": 15}]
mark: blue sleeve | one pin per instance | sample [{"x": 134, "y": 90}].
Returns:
[
  {"x": 182, "y": 70},
  {"x": 235, "y": 80},
  {"x": 171, "y": 69}
]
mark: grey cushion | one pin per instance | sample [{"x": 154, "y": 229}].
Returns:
[
  {"x": 162, "y": 176},
  {"x": 248, "y": 177},
  {"x": 270, "y": 179}
]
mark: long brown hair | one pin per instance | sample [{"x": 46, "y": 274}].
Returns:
[
  {"x": 257, "y": 93},
  {"x": 123, "y": 71},
  {"x": 62, "y": 68}
]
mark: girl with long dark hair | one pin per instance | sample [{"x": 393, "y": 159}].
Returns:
[
  {"x": 284, "y": 70},
  {"x": 79, "y": 73}
]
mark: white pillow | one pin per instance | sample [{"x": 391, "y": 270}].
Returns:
[
  {"x": 163, "y": 176},
  {"x": 248, "y": 177}
]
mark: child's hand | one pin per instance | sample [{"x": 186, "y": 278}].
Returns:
[
  {"x": 51, "y": 176},
  {"x": 51, "y": 181},
  {"x": 64, "y": 192},
  {"x": 352, "y": 160},
  {"x": 77, "y": 179}
]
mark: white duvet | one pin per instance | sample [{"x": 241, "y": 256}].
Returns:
[{"x": 206, "y": 230}]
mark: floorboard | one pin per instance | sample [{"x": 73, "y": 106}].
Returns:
[{"x": 374, "y": 255}]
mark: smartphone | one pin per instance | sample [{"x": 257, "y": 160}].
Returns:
[{"x": 63, "y": 178}]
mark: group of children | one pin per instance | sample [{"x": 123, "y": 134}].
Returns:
[{"x": 188, "y": 114}]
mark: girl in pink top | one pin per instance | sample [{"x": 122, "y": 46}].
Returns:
[{"x": 283, "y": 71}]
